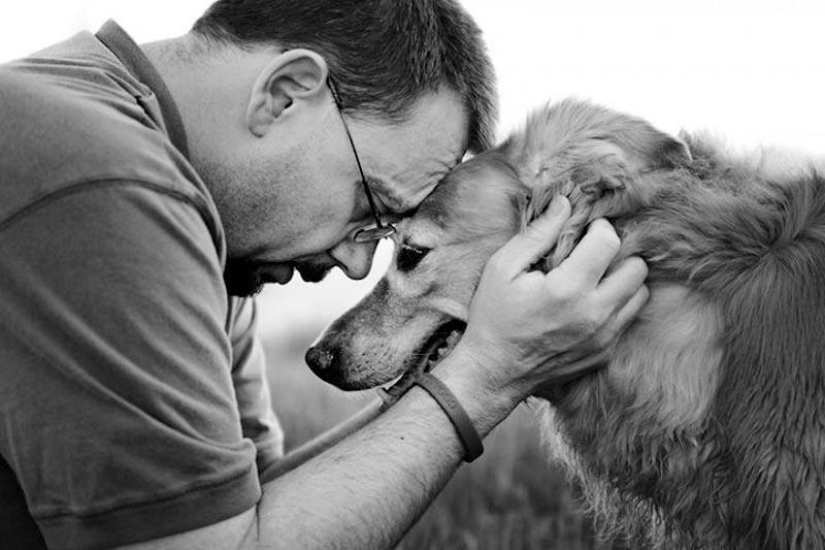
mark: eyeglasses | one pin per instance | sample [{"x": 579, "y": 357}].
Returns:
[{"x": 374, "y": 231}]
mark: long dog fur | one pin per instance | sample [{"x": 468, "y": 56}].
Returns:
[
  {"x": 707, "y": 428},
  {"x": 716, "y": 427}
]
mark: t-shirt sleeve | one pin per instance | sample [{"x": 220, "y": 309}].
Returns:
[
  {"x": 258, "y": 420},
  {"x": 119, "y": 415}
]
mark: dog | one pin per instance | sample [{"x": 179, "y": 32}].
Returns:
[{"x": 706, "y": 429}]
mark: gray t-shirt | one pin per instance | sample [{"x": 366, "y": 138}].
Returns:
[{"x": 133, "y": 400}]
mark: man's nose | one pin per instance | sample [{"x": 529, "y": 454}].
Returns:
[{"x": 354, "y": 258}]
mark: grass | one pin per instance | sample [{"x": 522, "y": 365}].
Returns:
[{"x": 510, "y": 498}]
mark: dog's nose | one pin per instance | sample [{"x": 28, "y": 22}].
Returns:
[{"x": 319, "y": 359}]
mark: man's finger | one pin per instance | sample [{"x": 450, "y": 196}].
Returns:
[
  {"x": 623, "y": 282},
  {"x": 631, "y": 309},
  {"x": 541, "y": 235},
  {"x": 592, "y": 256}
]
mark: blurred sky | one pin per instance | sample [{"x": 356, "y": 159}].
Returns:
[{"x": 752, "y": 71}]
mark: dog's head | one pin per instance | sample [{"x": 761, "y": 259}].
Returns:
[
  {"x": 421, "y": 302},
  {"x": 599, "y": 159}
]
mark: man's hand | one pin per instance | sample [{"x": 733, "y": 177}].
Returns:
[{"x": 536, "y": 329}]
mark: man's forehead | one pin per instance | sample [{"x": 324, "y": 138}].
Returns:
[
  {"x": 403, "y": 195},
  {"x": 423, "y": 149}
]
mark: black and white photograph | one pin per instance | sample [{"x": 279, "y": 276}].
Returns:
[{"x": 412, "y": 274}]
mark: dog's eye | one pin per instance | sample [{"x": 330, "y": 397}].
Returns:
[{"x": 410, "y": 256}]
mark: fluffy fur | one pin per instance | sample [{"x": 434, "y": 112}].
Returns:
[{"x": 707, "y": 428}]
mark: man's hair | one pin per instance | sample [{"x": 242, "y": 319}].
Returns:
[{"x": 382, "y": 54}]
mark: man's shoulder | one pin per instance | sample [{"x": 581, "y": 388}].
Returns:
[{"x": 78, "y": 119}]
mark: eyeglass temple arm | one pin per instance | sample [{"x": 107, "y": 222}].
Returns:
[{"x": 371, "y": 200}]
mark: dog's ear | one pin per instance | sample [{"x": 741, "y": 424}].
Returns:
[
  {"x": 605, "y": 162},
  {"x": 615, "y": 150},
  {"x": 609, "y": 163}
]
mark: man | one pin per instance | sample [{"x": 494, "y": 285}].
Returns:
[{"x": 143, "y": 187}]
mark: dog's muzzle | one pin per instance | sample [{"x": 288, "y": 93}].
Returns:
[{"x": 337, "y": 365}]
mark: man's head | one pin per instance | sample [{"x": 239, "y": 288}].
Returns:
[{"x": 415, "y": 89}]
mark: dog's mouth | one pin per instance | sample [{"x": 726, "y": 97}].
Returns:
[{"x": 438, "y": 346}]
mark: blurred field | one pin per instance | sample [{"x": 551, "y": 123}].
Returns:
[{"x": 510, "y": 498}]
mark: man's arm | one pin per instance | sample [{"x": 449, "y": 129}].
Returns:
[
  {"x": 363, "y": 493},
  {"x": 526, "y": 329}
]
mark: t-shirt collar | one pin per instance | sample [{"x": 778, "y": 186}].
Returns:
[{"x": 129, "y": 53}]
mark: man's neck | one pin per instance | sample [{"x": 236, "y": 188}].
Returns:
[{"x": 210, "y": 85}]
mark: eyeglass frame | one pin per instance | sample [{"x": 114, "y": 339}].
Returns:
[{"x": 374, "y": 231}]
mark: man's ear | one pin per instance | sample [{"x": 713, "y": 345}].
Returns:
[{"x": 293, "y": 77}]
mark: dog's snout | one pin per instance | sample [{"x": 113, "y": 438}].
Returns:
[{"x": 319, "y": 359}]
